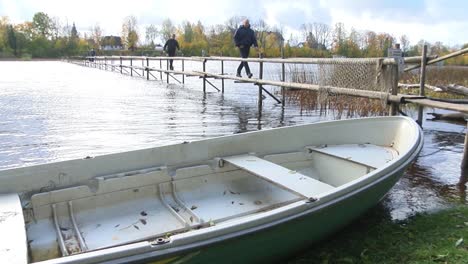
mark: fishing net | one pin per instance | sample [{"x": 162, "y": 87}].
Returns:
[{"x": 356, "y": 74}]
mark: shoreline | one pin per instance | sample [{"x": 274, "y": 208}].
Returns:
[{"x": 34, "y": 59}]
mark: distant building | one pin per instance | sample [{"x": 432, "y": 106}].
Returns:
[
  {"x": 158, "y": 47},
  {"x": 111, "y": 43},
  {"x": 301, "y": 44}
]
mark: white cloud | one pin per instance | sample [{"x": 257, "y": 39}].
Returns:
[{"x": 433, "y": 20}]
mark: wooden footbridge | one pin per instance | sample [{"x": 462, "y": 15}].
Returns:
[{"x": 152, "y": 68}]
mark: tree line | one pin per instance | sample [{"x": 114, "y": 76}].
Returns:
[{"x": 47, "y": 37}]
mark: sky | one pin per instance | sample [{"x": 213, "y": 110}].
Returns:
[{"x": 429, "y": 20}]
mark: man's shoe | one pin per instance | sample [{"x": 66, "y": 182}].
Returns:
[
  {"x": 239, "y": 75},
  {"x": 172, "y": 68},
  {"x": 250, "y": 75}
]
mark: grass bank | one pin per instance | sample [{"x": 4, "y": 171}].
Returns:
[{"x": 440, "y": 237}]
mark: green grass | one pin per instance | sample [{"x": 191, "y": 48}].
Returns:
[{"x": 424, "y": 238}]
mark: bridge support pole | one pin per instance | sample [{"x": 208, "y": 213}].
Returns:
[
  {"x": 222, "y": 80},
  {"x": 147, "y": 69},
  {"x": 204, "y": 76},
  {"x": 183, "y": 69},
  {"x": 260, "y": 87},
  {"x": 283, "y": 78},
  {"x": 131, "y": 68},
  {"x": 422, "y": 82}
]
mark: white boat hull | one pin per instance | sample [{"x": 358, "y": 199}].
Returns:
[{"x": 160, "y": 202}]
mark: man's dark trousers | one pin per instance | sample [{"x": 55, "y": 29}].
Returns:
[
  {"x": 171, "y": 54},
  {"x": 244, "y": 51}
]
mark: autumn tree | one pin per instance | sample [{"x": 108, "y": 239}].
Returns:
[
  {"x": 11, "y": 35},
  {"x": 187, "y": 31},
  {"x": 4, "y": 22},
  {"x": 130, "y": 32},
  {"x": 339, "y": 39},
  {"x": 42, "y": 24}
]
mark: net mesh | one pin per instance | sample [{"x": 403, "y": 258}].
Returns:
[{"x": 358, "y": 74}]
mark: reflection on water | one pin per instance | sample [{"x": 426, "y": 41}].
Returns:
[{"x": 52, "y": 111}]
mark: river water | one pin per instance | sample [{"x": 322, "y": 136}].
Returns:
[{"x": 53, "y": 111}]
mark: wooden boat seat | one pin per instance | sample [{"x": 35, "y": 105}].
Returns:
[
  {"x": 280, "y": 176},
  {"x": 13, "y": 246},
  {"x": 367, "y": 155}
]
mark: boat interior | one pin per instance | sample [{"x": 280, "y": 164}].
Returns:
[{"x": 156, "y": 202}]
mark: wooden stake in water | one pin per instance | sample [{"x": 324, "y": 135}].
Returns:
[
  {"x": 131, "y": 67},
  {"x": 147, "y": 69},
  {"x": 183, "y": 69},
  {"x": 464, "y": 164},
  {"x": 260, "y": 87},
  {"x": 222, "y": 73},
  {"x": 283, "y": 78},
  {"x": 422, "y": 82},
  {"x": 167, "y": 73},
  {"x": 160, "y": 67},
  {"x": 204, "y": 76}
]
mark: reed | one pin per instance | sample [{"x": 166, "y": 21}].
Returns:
[{"x": 439, "y": 76}]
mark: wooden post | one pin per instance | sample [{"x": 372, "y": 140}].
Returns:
[
  {"x": 222, "y": 73},
  {"x": 142, "y": 65},
  {"x": 204, "y": 76},
  {"x": 147, "y": 68},
  {"x": 260, "y": 87},
  {"x": 283, "y": 78},
  {"x": 422, "y": 82},
  {"x": 120, "y": 65},
  {"x": 105, "y": 63},
  {"x": 131, "y": 67},
  {"x": 394, "y": 88},
  {"x": 160, "y": 67},
  {"x": 183, "y": 69},
  {"x": 167, "y": 68},
  {"x": 464, "y": 164}
]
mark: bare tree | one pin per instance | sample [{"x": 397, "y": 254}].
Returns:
[
  {"x": 96, "y": 36},
  {"x": 317, "y": 35},
  {"x": 167, "y": 29},
  {"x": 233, "y": 23},
  {"x": 55, "y": 27},
  {"x": 262, "y": 30},
  {"x": 152, "y": 33},
  {"x": 404, "y": 42}
]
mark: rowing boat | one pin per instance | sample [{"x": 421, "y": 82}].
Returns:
[{"x": 245, "y": 198}]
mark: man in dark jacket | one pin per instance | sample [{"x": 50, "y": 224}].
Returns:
[
  {"x": 171, "y": 46},
  {"x": 244, "y": 39}
]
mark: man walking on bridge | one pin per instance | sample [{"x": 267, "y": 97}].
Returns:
[
  {"x": 171, "y": 46},
  {"x": 244, "y": 39}
]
